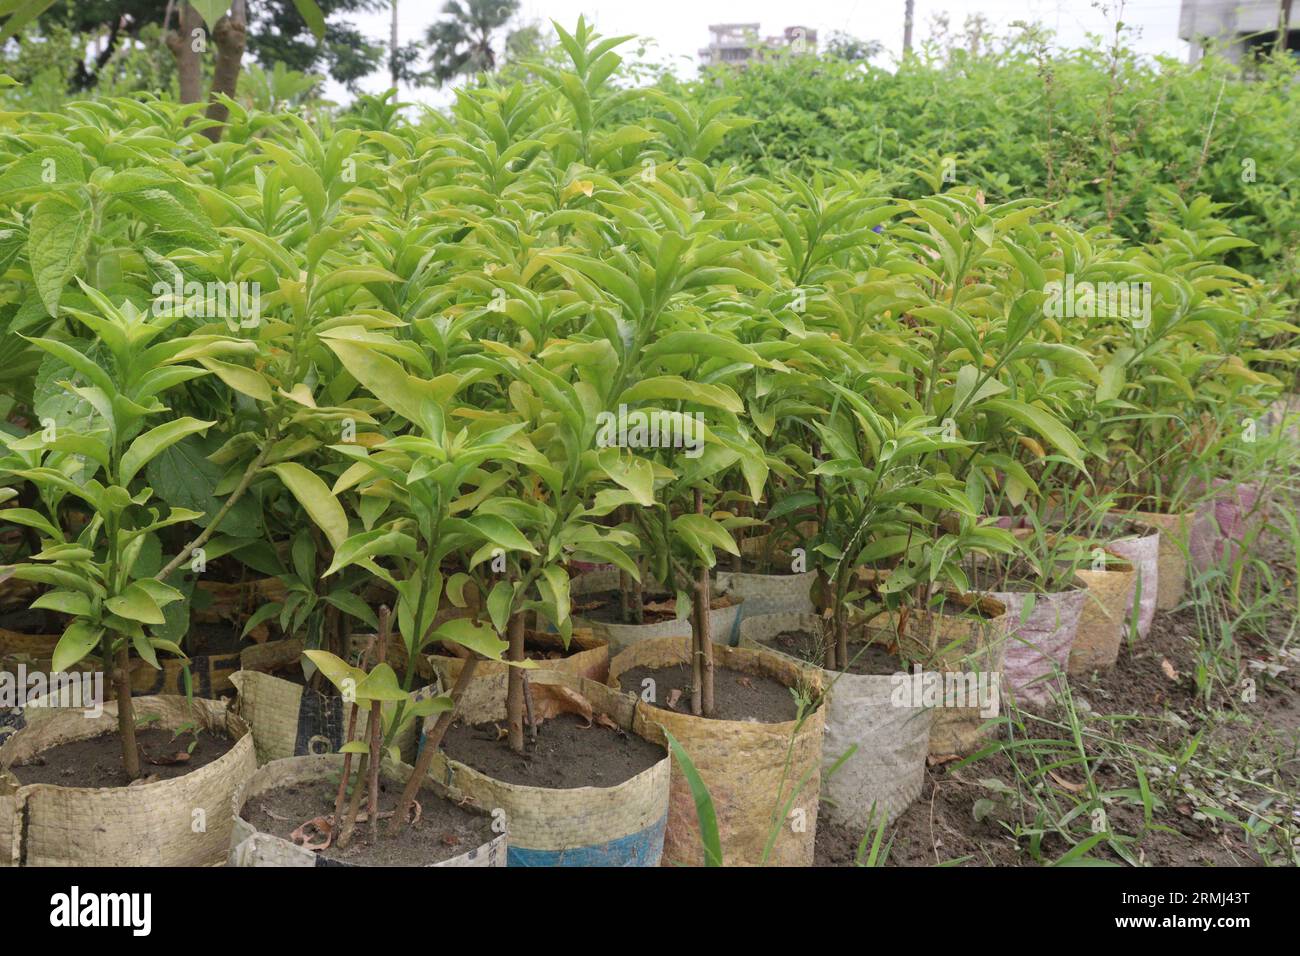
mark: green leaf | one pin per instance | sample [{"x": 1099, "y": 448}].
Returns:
[
  {"x": 65, "y": 602},
  {"x": 556, "y": 579},
  {"x": 501, "y": 532},
  {"x": 1044, "y": 423},
  {"x": 702, "y": 534},
  {"x": 57, "y": 242},
  {"x": 704, "y": 810},
  {"x": 244, "y": 380},
  {"x": 136, "y": 604},
  {"x": 349, "y": 603},
  {"x": 678, "y": 388},
  {"x": 635, "y": 474},
  {"x": 381, "y": 684},
  {"x": 470, "y": 634},
  {"x": 210, "y": 10},
  {"x": 79, "y": 640},
  {"x": 500, "y": 602},
  {"x": 146, "y": 446},
  {"x": 312, "y": 16},
  {"x": 337, "y": 671},
  {"x": 316, "y": 499}
]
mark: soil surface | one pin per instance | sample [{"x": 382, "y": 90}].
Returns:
[
  {"x": 568, "y": 753},
  {"x": 865, "y": 659},
  {"x": 97, "y": 761},
  {"x": 535, "y": 649},
  {"x": 603, "y": 606},
  {"x": 736, "y": 694},
  {"x": 443, "y": 831}
]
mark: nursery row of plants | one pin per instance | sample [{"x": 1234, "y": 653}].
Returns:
[
  {"x": 1098, "y": 130},
  {"x": 518, "y": 484}
]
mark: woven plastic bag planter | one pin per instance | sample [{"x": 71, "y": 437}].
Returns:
[
  {"x": 1172, "y": 555},
  {"x": 770, "y": 593},
  {"x": 722, "y": 620},
  {"x": 251, "y": 847},
  {"x": 1103, "y": 622},
  {"x": 1143, "y": 553},
  {"x": 288, "y": 719},
  {"x": 1231, "y": 513},
  {"x": 1038, "y": 642},
  {"x": 741, "y": 762},
  {"x": 150, "y": 824},
  {"x": 622, "y": 825},
  {"x": 887, "y": 770},
  {"x": 484, "y": 698},
  {"x": 963, "y": 651}
]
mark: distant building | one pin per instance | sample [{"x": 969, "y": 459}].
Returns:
[
  {"x": 737, "y": 43},
  {"x": 1238, "y": 27}
]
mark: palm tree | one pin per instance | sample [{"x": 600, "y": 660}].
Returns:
[{"x": 462, "y": 41}]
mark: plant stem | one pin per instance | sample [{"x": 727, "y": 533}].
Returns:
[
  {"x": 347, "y": 770},
  {"x": 432, "y": 741},
  {"x": 230, "y": 502},
  {"x": 515, "y": 683},
  {"x": 126, "y": 711},
  {"x": 354, "y": 806},
  {"x": 376, "y": 728},
  {"x": 703, "y": 668}
]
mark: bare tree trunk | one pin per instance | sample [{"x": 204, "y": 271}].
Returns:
[
  {"x": 392, "y": 48},
  {"x": 181, "y": 42},
  {"x": 515, "y": 684},
  {"x": 231, "y": 36}
]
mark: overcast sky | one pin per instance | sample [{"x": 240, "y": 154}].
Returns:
[{"x": 680, "y": 27}]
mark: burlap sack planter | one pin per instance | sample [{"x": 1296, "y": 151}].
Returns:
[
  {"x": 769, "y": 593},
  {"x": 151, "y": 824},
  {"x": 1038, "y": 643},
  {"x": 893, "y": 740},
  {"x": 290, "y": 720},
  {"x": 1172, "y": 555},
  {"x": 251, "y": 847},
  {"x": 1143, "y": 552},
  {"x": 1103, "y": 622},
  {"x": 965, "y": 654},
  {"x": 484, "y": 698},
  {"x": 741, "y": 762},
  {"x": 622, "y": 825},
  {"x": 722, "y": 621}
]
